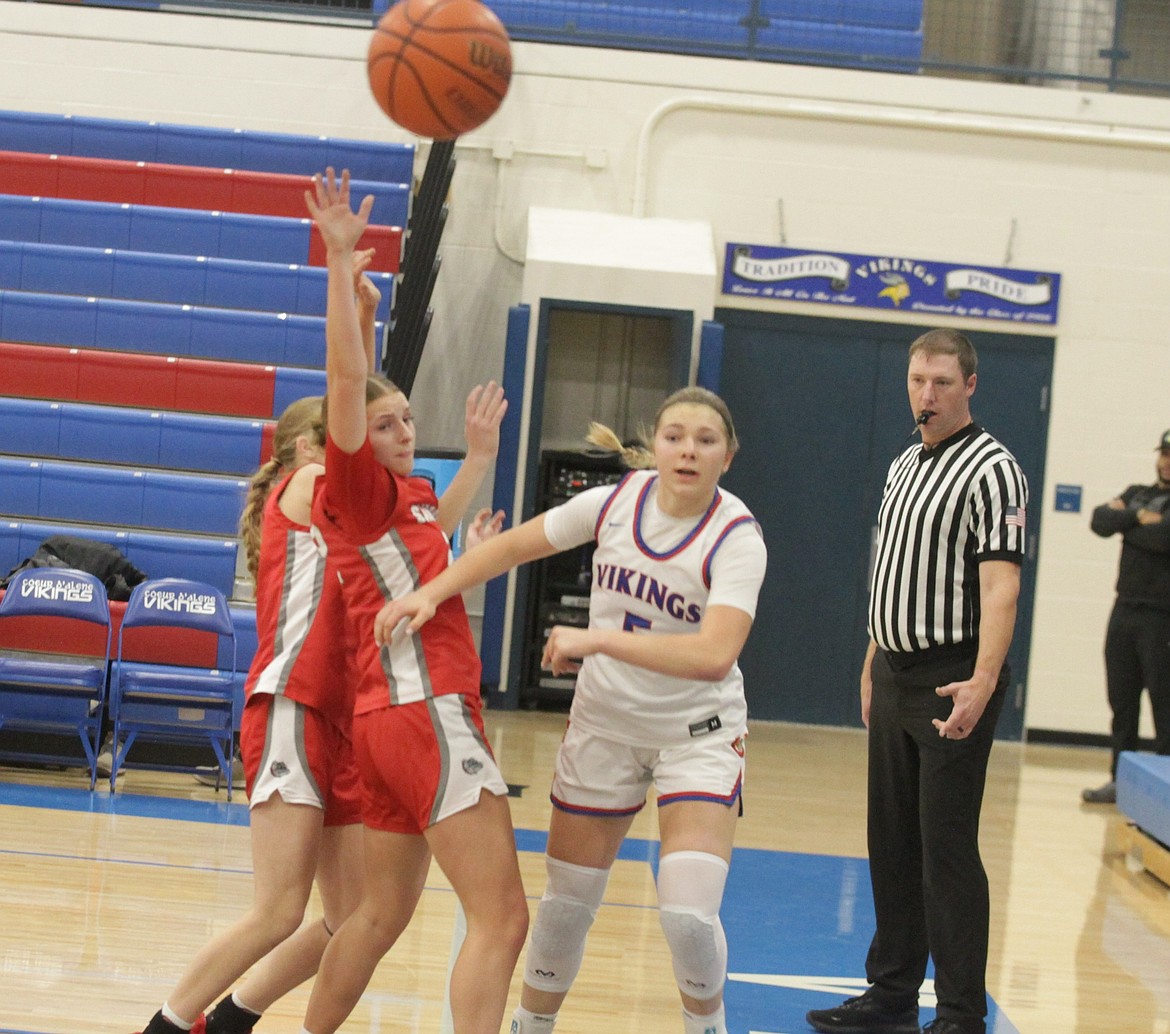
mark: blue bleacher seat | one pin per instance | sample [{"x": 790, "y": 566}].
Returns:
[
  {"x": 263, "y": 238},
  {"x": 232, "y": 284},
  {"x": 192, "y": 502},
  {"x": 81, "y": 492},
  {"x": 48, "y": 319},
  {"x": 151, "y": 277},
  {"x": 304, "y": 342},
  {"x": 59, "y": 269},
  {"x": 10, "y": 554},
  {"x": 256, "y": 337},
  {"x": 133, "y": 326},
  {"x": 110, "y": 434},
  {"x": 20, "y": 217},
  {"x": 86, "y": 224},
  {"x": 181, "y": 556},
  {"x": 885, "y": 14},
  {"x": 193, "y": 441},
  {"x": 10, "y": 263},
  {"x": 292, "y": 383},
  {"x": 32, "y": 427},
  {"x": 20, "y": 486},
  {"x": 34, "y": 131},
  {"x": 168, "y": 231}
]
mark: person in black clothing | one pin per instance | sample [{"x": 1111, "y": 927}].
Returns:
[
  {"x": 942, "y": 610},
  {"x": 1137, "y": 641}
]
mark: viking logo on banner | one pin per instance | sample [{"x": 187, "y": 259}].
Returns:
[{"x": 884, "y": 282}]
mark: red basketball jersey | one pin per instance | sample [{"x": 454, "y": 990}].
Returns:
[
  {"x": 300, "y": 618},
  {"x": 382, "y": 533}
]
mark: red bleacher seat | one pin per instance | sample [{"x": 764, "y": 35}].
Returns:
[
  {"x": 182, "y": 186},
  {"x": 137, "y": 379}
]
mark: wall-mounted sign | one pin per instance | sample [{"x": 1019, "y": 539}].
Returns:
[{"x": 884, "y": 282}]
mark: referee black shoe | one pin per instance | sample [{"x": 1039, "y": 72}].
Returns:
[{"x": 864, "y": 1014}]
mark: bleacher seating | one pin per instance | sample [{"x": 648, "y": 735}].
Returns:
[
  {"x": 116, "y": 324},
  {"x": 161, "y": 302},
  {"x": 182, "y": 186},
  {"x": 875, "y": 34},
  {"x": 181, "y": 231},
  {"x": 116, "y": 434},
  {"x": 203, "y": 145},
  {"x": 175, "y": 279},
  {"x": 156, "y": 381}
]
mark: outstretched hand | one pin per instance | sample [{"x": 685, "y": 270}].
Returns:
[
  {"x": 329, "y": 206},
  {"x": 483, "y": 526},
  {"x": 364, "y": 289},
  {"x": 483, "y": 415}
]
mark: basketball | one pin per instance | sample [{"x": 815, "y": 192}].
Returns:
[{"x": 439, "y": 67}]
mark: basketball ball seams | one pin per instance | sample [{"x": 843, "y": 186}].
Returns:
[
  {"x": 421, "y": 86},
  {"x": 455, "y": 67},
  {"x": 439, "y": 67}
]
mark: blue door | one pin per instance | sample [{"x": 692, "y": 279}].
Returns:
[{"x": 821, "y": 410}]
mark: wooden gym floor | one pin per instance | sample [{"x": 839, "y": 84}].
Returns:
[{"x": 103, "y": 900}]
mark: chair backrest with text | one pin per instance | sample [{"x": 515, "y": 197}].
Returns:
[
  {"x": 59, "y": 692},
  {"x": 168, "y": 702}
]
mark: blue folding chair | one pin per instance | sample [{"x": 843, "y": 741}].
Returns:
[
  {"x": 169, "y": 703},
  {"x": 50, "y": 691}
]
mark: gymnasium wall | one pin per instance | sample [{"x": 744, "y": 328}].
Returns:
[{"x": 1043, "y": 179}]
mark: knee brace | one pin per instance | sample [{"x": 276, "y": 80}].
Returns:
[
  {"x": 566, "y": 912},
  {"x": 690, "y": 890}
]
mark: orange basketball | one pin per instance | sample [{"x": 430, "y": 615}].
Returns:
[{"x": 439, "y": 67}]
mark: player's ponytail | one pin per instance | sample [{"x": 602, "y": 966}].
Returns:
[
  {"x": 636, "y": 457},
  {"x": 302, "y": 419}
]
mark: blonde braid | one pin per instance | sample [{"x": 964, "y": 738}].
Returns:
[
  {"x": 252, "y": 516},
  {"x": 302, "y": 418}
]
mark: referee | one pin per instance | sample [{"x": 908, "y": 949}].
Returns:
[{"x": 941, "y": 614}]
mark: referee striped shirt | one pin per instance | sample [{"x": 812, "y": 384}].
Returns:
[{"x": 943, "y": 510}]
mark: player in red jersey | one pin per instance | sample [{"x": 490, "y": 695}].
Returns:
[
  {"x": 303, "y": 784},
  {"x": 430, "y": 782}
]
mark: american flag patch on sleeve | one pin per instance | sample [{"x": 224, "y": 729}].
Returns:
[{"x": 1014, "y": 516}]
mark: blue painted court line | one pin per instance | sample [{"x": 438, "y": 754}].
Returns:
[{"x": 137, "y": 805}]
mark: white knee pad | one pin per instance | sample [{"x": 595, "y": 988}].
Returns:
[
  {"x": 690, "y": 890},
  {"x": 566, "y": 912}
]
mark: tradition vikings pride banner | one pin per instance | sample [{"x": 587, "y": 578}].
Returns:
[{"x": 883, "y": 282}]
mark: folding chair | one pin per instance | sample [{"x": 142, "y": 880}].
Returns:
[
  {"x": 169, "y": 703},
  {"x": 55, "y": 691}
]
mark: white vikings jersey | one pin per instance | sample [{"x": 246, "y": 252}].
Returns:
[{"x": 658, "y": 573}]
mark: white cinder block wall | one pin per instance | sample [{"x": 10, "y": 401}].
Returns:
[{"x": 1045, "y": 179}]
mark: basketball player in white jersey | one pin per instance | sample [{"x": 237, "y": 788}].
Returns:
[{"x": 659, "y": 696}]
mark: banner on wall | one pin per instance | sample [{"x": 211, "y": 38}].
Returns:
[{"x": 897, "y": 284}]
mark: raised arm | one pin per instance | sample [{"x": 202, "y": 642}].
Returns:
[
  {"x": 488, "y": 560},
  {"x": 368, "y": 296},
  {"x": 483, "y": 415},
  {"x": 346, "y": 363}
]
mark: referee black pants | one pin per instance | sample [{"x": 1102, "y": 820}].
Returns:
[
  {"x": 1137, "y": 657},
  {"x": 930, "y": 890}
]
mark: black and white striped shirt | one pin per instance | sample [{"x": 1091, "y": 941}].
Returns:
[{"x": 943, "y": 511}]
